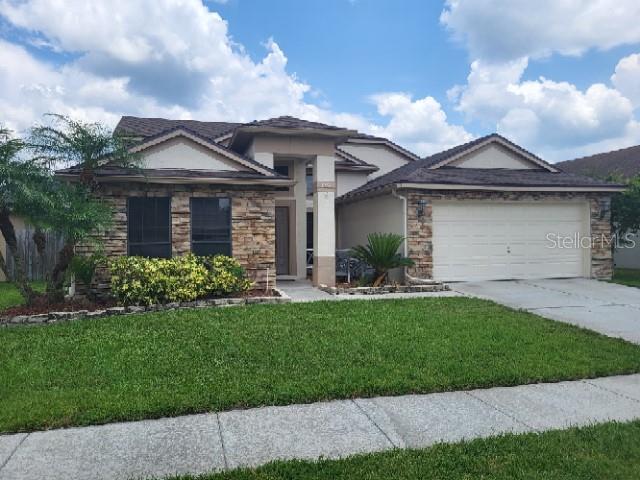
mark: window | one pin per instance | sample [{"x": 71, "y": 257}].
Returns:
[
  {"x": 309, "y": 180},
  {"x": 282, "y": 170},
  {"x": 149, "y": 226},
  {"x": 211, "y": 226},
  {"x": 310, "y": 230}
]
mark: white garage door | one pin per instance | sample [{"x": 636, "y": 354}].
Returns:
[{"x": 493, "y": 241}]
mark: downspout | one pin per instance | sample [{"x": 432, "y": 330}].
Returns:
[{"x": 410, "y": 279}]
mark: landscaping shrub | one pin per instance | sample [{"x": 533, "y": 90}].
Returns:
[{"x": 148, "y": 281}]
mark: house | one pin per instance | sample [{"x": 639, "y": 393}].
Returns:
[
  {"x": 623, "y": 163},
  {"x": 282, "y": 194}
]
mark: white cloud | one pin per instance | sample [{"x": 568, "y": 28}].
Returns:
[
  {"x": 420, "y": 124},
  {"x": 501, "y": 31},
  {"x": 627, "y": 78},
  {"x": 543, "y": 114},
  {"x": 553, "y": 118},
  {"x": 172, "y": 58}
]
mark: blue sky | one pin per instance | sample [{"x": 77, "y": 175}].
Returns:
[{"x": 560, "y": 78}]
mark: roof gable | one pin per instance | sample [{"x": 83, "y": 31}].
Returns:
[
  {"x": 183, "y": 153},
  {"x": 492, "y": 151},
  {"x": 224, "y": 153}
]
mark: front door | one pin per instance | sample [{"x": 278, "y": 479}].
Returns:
[{"x": 282, "y": 240}]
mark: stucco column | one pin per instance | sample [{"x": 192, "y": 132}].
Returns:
[
  {"x": 324, "y": 221},
  {"x": 300, "y": 194}
]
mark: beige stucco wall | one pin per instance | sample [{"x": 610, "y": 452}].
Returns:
[
  {"x": 381, "y": 156},
  {"x": 283, "y": 145},
  {"x": 18, "y": 224},
  {"x": 628, "y": 257},
  {"x": 493, "y": 156},
  {"x": 185, "y": 153},
  {"x": 347, "y": 181},
  {"x": 356, "y": 220}
]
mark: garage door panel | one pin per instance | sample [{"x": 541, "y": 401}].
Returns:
[{"x": 489, "y": 240}]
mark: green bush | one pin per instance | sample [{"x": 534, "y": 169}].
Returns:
[{"x": 148, "y": 281}]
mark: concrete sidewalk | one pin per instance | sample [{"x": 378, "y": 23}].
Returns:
[{"x": 216, "y": 441}]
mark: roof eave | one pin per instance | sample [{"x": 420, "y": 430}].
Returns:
[
  {"x": 182, "y": 180},
  {"x": 512, "y": 188}
]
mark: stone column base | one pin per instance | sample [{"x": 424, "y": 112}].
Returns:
[{"x": 324, "y": 271}]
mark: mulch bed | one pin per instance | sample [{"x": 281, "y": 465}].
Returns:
[{"x": 43, "y": 306}]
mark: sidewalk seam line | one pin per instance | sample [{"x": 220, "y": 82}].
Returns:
[
  {"x": 374, "y": 423},
  {"x": 500, "y": 410},
  {"x": 224, "y": 453},
  {"x": 13, "y": 452},
  {"x": 619, "y": 394}
]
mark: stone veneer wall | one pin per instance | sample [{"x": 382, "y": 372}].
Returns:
[
  {"x": 420, "y": 230},
  {"x": 252, "y": 225}
]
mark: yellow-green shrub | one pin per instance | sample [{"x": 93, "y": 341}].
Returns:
[{"x": 148, "y": 281}]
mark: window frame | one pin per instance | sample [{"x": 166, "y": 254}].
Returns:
[
  {"x": 129, "y": 242},
  {"x": 230, "y": 220}
]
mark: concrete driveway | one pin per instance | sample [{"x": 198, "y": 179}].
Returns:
[{"x": 611, "y": 309}]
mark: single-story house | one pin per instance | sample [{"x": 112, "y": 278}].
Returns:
[
  {"x": 282, "y": 195},
  {"x": 625, "y": 164}
]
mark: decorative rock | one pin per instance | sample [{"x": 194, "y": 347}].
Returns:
[
  {"x": 59, "y": 315},
  {"x": 172, "y": 305},
  {"x": 135, "y": 309},
  {"x": 41, "y": 318},
  {"x": 96, "y": 314},
  {"x": 19, "y": 319},
  {"x": 236, "y": 301},
  {"x": 116, "y": 310},
  {"x": 188, "y": 304}
]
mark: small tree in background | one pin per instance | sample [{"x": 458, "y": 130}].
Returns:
[
  {"x": 625, "y": 209},
  {"x": 381, "y": 253}
]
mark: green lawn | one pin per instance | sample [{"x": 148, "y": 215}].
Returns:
[
  {"x": 10, "y": 297},
  {"x": 177, "y": 362},
  {"x": 627, "y": 276},
  {"x": 608, "y": 451}
]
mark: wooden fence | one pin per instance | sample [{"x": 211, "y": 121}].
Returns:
[{"x": 37, "y": 266}]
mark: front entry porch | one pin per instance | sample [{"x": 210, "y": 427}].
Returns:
[{"x": 305, "y": 219}]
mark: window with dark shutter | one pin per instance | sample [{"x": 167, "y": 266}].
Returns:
[
  {"x": 149, "y": 226},
  {"x": 211, "y": 226}
]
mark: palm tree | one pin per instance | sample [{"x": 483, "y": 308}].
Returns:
[
  {"x": 67, "y": 142},
  {"x": 21, "y": 194},
  {"x": 381, "y": 253},
  {"x": 87, "y": 146}
]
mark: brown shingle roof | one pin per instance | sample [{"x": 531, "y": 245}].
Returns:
[
  {"x": 624, "y": 162},
  {"x": 287, "y": 121},
  {"x": 147, "y": 127},
  {"x": 420, "y": 172}
]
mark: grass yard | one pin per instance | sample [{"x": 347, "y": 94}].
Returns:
[
  {"x": 608, "y": 451},
  {"x": 178, "y": 362},
  {"x": 627, "y": 276},
  {"x": 10, "y": 297}
]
